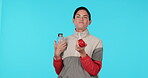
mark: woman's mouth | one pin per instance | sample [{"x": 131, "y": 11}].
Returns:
[{"x": 81, "y": 22}]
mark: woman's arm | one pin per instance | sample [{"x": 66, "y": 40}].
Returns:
[
  {"x": 91, "y": 66},
  {"x": 94, "y": 64},
  {"x": 59, "y": 49},
  {"x": 58, "y": 65}
]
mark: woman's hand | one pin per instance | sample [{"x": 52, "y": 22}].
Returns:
[
  {"x": 59, "y": 48},
  {"x": 81, "y": 50}
]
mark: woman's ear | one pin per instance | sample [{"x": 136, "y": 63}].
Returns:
[
  {"x": 90, "y": 22},
  {"x": 73, "y": 20}
]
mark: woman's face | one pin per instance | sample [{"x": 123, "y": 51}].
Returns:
[{"x": 81, "y": 20}]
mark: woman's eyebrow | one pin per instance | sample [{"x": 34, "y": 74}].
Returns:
[
  {"x": 85, "y": 15},
  {"x": 78, "y": 14}
]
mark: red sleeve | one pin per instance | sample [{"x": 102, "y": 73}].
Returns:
[
  {"x": 92, "y": 67},
  {"x": 58, "y": 65}
]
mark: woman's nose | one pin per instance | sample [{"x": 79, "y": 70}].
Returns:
[{"x": 81, "y": 18}]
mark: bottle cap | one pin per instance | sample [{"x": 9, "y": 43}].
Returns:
[{"x": 60, "y": 35}]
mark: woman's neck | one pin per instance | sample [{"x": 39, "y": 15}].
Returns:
[{"x": 80, "y": 30}]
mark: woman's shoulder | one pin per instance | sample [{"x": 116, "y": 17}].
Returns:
[
  {"x": 95, "y": 38},
  {"x": 71, "y": 37}
]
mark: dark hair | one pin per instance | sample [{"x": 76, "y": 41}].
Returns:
[{"x": 82, "y": 8}]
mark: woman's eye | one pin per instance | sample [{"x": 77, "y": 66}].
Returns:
[
  {"x": 77, "y": 16},
  {"x": 85, "y": 17}
]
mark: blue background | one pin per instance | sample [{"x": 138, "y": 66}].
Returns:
[{"x": 29, "y": 27}]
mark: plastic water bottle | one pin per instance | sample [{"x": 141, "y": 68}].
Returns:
[{"x": 60, "y": 35}]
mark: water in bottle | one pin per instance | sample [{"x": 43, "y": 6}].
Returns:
[{"x": 60, "y": 35}]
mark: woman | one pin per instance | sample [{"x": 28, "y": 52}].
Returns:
[{"x": 73, "y": 61}]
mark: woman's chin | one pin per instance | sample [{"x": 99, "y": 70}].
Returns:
[{"x": 80, "y": 27}]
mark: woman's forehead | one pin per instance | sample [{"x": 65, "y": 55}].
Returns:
[{"x": 82, "y": 12}]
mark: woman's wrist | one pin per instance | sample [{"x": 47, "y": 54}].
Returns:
[
  {"x": 57, "y": 57},
  {"x": 57, "y": 54},
  {"x": 82, "y": 53}
]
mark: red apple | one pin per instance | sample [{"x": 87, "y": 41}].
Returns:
[{"x": 81, "y": 43}]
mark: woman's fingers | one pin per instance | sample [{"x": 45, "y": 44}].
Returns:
[
  {"x": 63, "y": 48},
  {"x": 54, "y": 42},
  {"x": 55, "y": 45},
  {"x": 77, "y": 45},
  {"x": 61, "y": 40},
  {"x": 62, "y": 43},
  {"x": 78, "y": 48}
]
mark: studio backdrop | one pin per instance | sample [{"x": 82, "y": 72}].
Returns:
[{"x": 28, "y": 29}]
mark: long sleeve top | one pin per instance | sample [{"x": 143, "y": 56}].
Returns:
[{"x": 72, "y": 65}]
